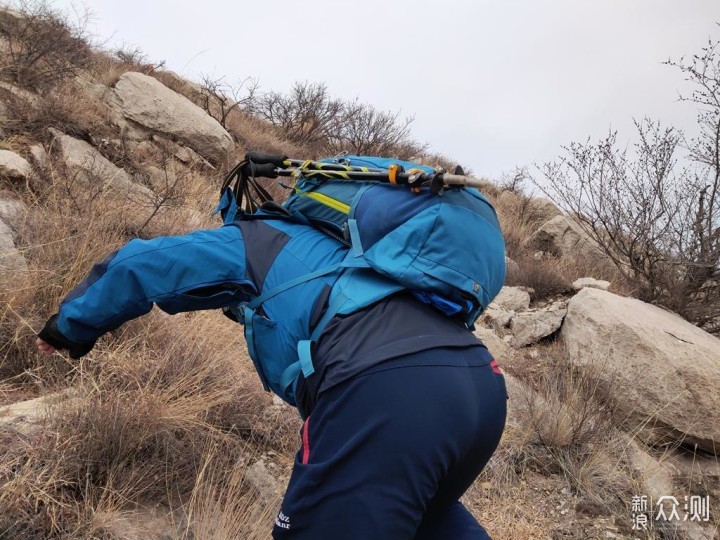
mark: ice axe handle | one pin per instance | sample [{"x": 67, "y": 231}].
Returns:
[{"x": 262, "y": 158}]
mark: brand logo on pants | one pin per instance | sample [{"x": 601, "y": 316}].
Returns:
[{"x": 282, "y": 521}]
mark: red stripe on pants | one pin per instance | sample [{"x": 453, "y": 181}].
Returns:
[{"x": 306, "y": 442}]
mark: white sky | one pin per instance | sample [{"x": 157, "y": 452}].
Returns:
[{"x": 492, "y": 84}]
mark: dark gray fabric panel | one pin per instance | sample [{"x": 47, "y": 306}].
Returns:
[{"x": 262, "y": 245}]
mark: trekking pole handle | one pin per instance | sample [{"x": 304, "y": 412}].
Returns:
[{"x": 262, "y": 158}]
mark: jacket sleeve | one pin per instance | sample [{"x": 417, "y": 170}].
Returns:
[{"x": 202, "y": 270}]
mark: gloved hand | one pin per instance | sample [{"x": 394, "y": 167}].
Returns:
[{"x": 50, "y": 335}]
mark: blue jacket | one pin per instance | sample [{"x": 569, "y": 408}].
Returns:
[{"x": 209, "y": 269}]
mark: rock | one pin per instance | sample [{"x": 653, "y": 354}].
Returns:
[
  {"x": 147, "y": 102},
  {"x": 543, "y": 210},
  {"x": 14, "y": 166},
  {"x": 662, "y": 372},
  {"x": 11, "y": 260},
  {"x": 655, "y": 477},
  {"x": 497, "y": 347},
  {"x": 581, "y": 283},
  {"x": 519, "y": 396},
  {"x": 511, "y": 299},
  {"x": 12, "y": 212},
  {"x": 189, "y": 157},
  {"x": 40, "y": 156},
  {"x": 91, "y": 166},
  {"x": 562, "y": 237},
  {"x": 24, "y": 414},
  {"x": 498, "y": 317},
  {"x": 20, "y": 95},
  {"x": 532, "y": 326},
  {"x": 511, "y": 266},
  {"x": 262, "y": 481}
]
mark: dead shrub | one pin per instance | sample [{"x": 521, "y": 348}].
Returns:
[
  {"x": 44, "y": 46},
  {"x": 65, "y": 107},
  {"x": 542, "y": 276},
  {"x": 563, "y": 427},
  {"x": 155, "y": 399},
  {"x": 222, "y": 505}
]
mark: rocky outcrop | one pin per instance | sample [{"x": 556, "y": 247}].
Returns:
[
  {"x": 511, "y": 266},
  {"x": 12, "y": 212},
  {"x": 88, "y": 165},
  {"x": 511, "y": 299},
  {"x": 543, "y": 210},
  {"x": 661, "y": 372},
  {"x": 148, "y": 103},
  {"x": 581, "y": 283},
  {"x": 562, "y": 237},
  {"x": 40, "y": 157},
  {"x": 262, "y": 481},
  {"x": 11, "y": 260},
  {"x": 14, "y": 166},
  {"x": 532, "y": 326},
  {"x": 10, "y": 92}
]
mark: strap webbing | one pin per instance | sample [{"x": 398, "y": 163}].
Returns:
[
  {"x": 355, "y": 238},
  {"x": 255, "y": 302},
  {"x": 305, "y": 355}
]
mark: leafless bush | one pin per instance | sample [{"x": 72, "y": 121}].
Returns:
[
  {"x": 43, "y": 45},
  {"x": 362, "y": 129},
  {"x": 65, "y": 107},
  {"x": 220, "y": 98},
  {"x": 542, "y": 276},
  {"x": 515, "y": 180},
  {"x": 308, "y": 116},
  {"x": 657, "y": 221}
]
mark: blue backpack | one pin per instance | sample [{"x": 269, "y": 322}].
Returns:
[{"x": 443, "y": 243}]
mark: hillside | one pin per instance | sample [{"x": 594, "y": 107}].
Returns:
[{"x": 164, "y": 431}]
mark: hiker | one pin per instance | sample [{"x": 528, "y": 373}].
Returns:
[{"x": 403, "y": 406}]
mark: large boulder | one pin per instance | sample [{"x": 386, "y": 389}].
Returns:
[
  {"x": 14, "y": 166},
  {"x": 562, "y": 237},
  {"x": 89, "y": 165},
  {"x": 147, "y": 102},
  {"x": 661, "y": 372}
]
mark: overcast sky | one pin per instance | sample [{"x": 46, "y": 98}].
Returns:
[{"x": 492, "y": 84}]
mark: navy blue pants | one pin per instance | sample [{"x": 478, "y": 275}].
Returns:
[{"x": 387, "y": 454}]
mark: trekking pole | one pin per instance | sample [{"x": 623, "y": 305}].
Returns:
[
  {"x": 271, "y": 166},
  {"x": 414, "y": 180},
  {"x": 263, "y": 158}
]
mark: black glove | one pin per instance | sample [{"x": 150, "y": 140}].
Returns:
[{"x": 51, "y": 335}]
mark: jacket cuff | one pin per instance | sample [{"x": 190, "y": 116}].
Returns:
[{"x": 51, "y": 335}]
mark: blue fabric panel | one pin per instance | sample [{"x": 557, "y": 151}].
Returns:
[
  {"x": 96, "y": 273},
  {"x": 163, "y": 271},
  {"x": 382, "y": 208}
]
